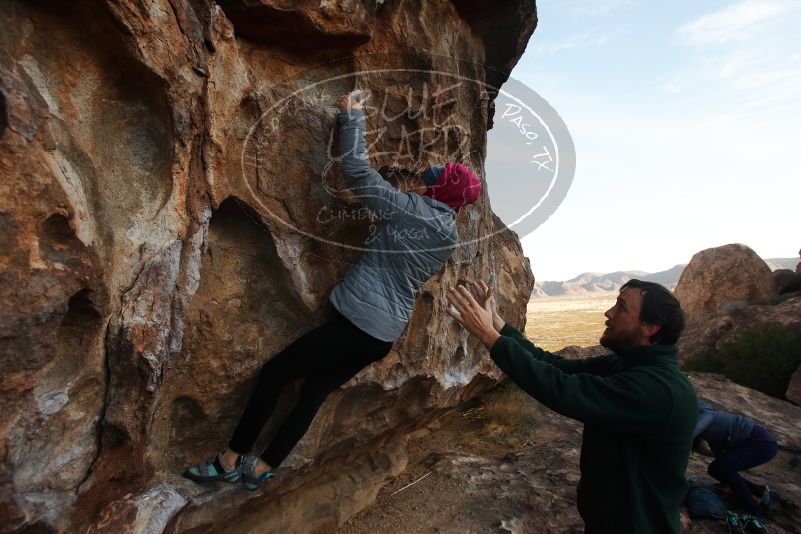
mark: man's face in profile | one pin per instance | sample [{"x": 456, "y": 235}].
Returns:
[{"x": 623, "y": 325}]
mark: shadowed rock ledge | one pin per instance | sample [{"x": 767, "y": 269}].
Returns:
[{"x": 161, "y": 239}]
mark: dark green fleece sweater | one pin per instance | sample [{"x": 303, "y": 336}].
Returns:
[{"x": 638, "y": 411}]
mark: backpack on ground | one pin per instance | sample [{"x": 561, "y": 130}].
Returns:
[{"x": 702, "y": 502}]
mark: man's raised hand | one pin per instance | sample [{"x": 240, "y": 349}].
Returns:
[
  {"x": 484, "y": 295},
  {"x": 480, "y": 292},
  {"x": 476, "y": 319}
]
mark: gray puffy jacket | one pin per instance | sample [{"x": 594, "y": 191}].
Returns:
[{"x": 414, "y": 239}]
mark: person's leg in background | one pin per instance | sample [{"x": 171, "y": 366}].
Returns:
[{"x": 746, "y": 455}]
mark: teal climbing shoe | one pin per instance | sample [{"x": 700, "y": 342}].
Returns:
[
  {"x": 252, "y": 482},
  {"x": 214, "y": 471},
  {"x": 735, "y": 523},
  {"x": 754, "y": 525}
]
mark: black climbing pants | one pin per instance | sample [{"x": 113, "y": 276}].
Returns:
[{"x": 326, "y": 357}]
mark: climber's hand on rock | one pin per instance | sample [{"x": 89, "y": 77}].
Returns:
[
  {"x": 483, "y": 295},
  {"x": 474, "y": 318},
  {"x": 346, "y": 102}
]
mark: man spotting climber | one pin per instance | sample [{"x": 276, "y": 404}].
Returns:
[
  {"x": 371, "y": 305},
  {"x": 638, "y": 409}
]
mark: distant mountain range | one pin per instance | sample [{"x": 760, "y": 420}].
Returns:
[{"x": 611, "y": 282}]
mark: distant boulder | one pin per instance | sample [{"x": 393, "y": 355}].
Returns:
[
  {"x": 724, "y": 274},
  {"x": 787, "y": 281}
]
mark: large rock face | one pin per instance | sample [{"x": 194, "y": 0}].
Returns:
[
  {"x": 794, "y": 387},
  {"x": 724, "y": 274},
  {"x": 162, "y": 237}
]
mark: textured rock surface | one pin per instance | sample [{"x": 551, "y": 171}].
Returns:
[
  {"x": 787, "y": 281},
  {"x": 724, "y": 274},
  {"x": 794, "y": 387},
  {"x": 704, "y": 337},
  {"x": 155, "y": 251}
]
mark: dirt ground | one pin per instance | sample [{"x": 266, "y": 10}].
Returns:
[
  {"x": 477, "y": 472},
  {"x": 503, "y": 463}
]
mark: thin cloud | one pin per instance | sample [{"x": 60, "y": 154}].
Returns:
[
  {"x": 578, "y": 41},
  {"x": 594, "y": 8},
  {"x": 736, "y": 22},
  {"x": 753, "y": 80}
]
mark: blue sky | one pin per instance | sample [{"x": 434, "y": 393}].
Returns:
[{"x": 686, "y": 118}]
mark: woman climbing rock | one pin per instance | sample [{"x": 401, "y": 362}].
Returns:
[{"x": 371, "y": 306}]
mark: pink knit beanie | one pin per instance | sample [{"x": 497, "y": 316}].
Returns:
[{"x": 457, "y": 186}]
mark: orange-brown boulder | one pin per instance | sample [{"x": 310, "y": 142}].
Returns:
[
  {"x": 165, "y": 165},
  {"x": 717, "y": 276}
]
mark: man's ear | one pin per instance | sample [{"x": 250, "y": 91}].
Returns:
[{"x": 649, "y": 329}]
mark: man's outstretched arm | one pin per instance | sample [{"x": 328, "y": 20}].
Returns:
[
  {"x": 483, "y": 294},
  {"x": 595, "y": 366},
  {"x": 631, "y": 401}
]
